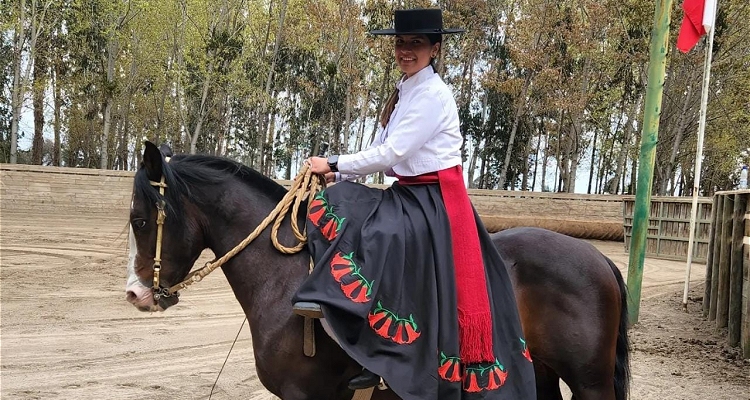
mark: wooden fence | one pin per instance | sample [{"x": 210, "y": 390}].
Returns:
[
  {"x": 727, "y": 295},
  {"x": 60, "y": 191},
  {"x": 669, "y": 227},
  {"x": 50, "y": 191}
]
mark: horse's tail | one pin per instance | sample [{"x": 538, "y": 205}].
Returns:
[{"x": 622, "y": 361}]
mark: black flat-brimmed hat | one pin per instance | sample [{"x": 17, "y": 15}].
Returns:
[{"x": 418, "y": 21}]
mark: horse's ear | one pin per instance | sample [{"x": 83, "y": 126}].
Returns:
[
  {"x": 166, "y": 150},
  {"x": 152, "y": 161}
]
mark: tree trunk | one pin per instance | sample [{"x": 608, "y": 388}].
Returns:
[
  {"x": 606, "y": 161},
  {"x": 203, "y": 109},
  {"x": 347, "y": 119},
  {"x": 525, "y": 173},
  {"x": 570, "y": 185},
  {"x": 177, "y": 47},
  {"x": 545, "y": 188},
  {"x": 483, "y": 174},
  {"x": 545, "y": 159},
  {"x": 113, "y": 47},
  {"x": 108, "y": 100},
  {"x": 513, "y": 130},
  {"x": 536, "y": 153},
  {"x": 634, "y": 166},
  {"x": 18, "y": 88},
  {"x": 269, "y": 81},
  {"x": 558, "y": 154},
  {"x": 612, "y": 188},
  {"x": 38, "y": 89},
  {"x": 57, "y": 106},
  {"x": 363, "y": 118},
  {"x": 473, "y": 166},
  {"x": 268, "y": 171},
  {"x": 593, "y": 159},
  {"x": 669, "y": 169},
  {"x": 381, "y": 102}
]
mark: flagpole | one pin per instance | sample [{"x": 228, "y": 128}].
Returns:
[{"x": 699, "y": 158}]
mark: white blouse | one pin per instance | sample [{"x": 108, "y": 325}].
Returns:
[{"x": 423, "y": 134}]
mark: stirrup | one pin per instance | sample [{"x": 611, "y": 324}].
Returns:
[
  {"x": 365, "y": 380},
  {"x": 307, "y": 309}
]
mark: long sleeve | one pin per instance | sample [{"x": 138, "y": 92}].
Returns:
[
  {"x": 415, "y": 126},
  {"x": 339, "y": 176}
]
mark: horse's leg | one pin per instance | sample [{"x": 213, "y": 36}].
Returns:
[
  {"x": 547, "y": 382},
  {"x": 601, "y": 391},
  {"x": 591, "y": 375}
]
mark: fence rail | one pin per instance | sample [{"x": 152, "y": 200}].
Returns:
[{"x": 669, "y": 227}]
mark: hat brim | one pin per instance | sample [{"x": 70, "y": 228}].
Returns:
[{"x": 393, "y": 32}]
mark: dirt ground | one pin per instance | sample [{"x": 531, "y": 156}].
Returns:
[{"x": 68, "y": 333}]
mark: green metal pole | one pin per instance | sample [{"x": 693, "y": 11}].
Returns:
[{"x": 652, "y": 110}]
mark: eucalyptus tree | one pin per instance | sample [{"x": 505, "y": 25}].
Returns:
[{"x": 6, "y": 66}]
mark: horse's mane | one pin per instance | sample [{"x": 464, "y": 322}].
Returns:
[{"x": 184, "y": 173}]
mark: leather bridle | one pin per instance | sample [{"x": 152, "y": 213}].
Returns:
[{"x": 161, "y": 216}]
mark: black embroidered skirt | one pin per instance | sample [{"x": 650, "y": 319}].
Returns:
[{"x": 384, "y": 278}]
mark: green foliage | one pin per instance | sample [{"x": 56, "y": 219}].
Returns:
[{"x": 234, "y": 78}]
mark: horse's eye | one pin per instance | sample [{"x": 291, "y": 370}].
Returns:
[{"x": 138, "y": 223}]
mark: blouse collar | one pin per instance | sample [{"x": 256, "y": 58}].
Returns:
[{"x": 405, "y": 85}]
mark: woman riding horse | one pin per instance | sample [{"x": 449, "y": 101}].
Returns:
[{"x": 407, "y": 278}]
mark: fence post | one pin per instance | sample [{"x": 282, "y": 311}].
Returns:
[
  {"x": 722, "y": 309},
  {"x": 709, "y": 259},
  {"x": 735, "y": 271},
  {"x": 719, "y": 207}
]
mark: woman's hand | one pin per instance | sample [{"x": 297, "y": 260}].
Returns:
[
  {"x": 330, "y": 177},
  {"x": 319, "y": 165}
]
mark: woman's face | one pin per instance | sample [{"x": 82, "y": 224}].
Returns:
[{"x": 414, "y": 52}]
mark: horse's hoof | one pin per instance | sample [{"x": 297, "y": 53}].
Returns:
[
  {"x": 364, "y": 380},
  {"x": 307, "y": 309}
]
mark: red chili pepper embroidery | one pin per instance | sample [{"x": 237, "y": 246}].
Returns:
[
  {"x": 342, "y": 265},
  {"x": 350, "y": 288},
  {"x": 375, "y": 318},
  {"x": 498, "y": 372},
  {"x": 331, "y": 229},
  {"x": 473, "y": 375},
  {"x": 383, "y": 330},
  {"x": 319, "y": 210},
  {"x": 472, "y": 386},
  {"x": 406, "y": 329},
  {"x": 446, "y": 363},
  {"x": 348, "y": 274}
]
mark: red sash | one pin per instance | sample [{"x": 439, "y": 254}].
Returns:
[{"x": 474, "y": 316}]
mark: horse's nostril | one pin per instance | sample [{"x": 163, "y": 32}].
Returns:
[{"x": 130, "y": 296}]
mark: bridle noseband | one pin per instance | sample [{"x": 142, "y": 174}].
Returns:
[{"x": 161, "y": 216}]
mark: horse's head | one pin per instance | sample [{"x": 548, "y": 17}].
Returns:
[{"x": 157, "y": 191}]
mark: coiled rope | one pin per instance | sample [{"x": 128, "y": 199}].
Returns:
[{"x": 304, "y": 187}]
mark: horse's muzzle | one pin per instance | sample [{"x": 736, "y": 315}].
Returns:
[{"x": 142, "y": 298}]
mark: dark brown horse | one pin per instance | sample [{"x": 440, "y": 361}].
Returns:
[{"x": 571, "y": 298}]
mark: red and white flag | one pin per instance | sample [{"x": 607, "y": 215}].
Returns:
[{"x": 699, "y": 18}]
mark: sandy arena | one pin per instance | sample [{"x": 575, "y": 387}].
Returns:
[{"x": 68, "y": 333}]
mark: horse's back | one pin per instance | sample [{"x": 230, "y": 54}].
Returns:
[
  {"x": 569, "y": 301},
  {"x": 536, "y": 256},
  {"x": 561, "y": 272}
]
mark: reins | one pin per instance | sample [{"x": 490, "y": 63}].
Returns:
[{"x": 304, "y": 187}]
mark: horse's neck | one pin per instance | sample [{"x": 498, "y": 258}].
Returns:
[{"x": 262, "y": 278}]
